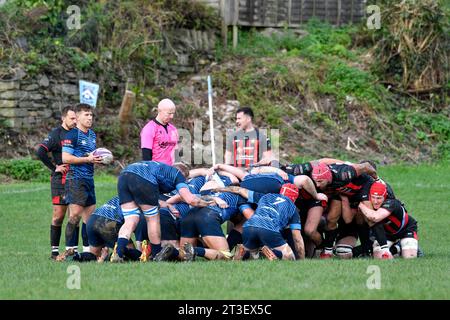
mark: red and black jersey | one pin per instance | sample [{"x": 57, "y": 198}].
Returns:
[
  {"x": 346, "y": 182},
  {"x": 53, "y": 143},
  {"x": 298, "y": 169},
  {"x": 247, "y": 148},
  {"x": 399, "y": 219}
]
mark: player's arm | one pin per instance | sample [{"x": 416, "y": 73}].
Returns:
[
  {"x": 243, "y": 192},
  {"x": 374, "y": 216},
  {"x": 299, "y": 244},
  {"x": 200, "y": 172},
  {"x": 306, "y": 183},
  {"x": 280, "y": 172},
  {"x": 71, "y": 159},
  {"x": 42, "y": 154},
  {"x": 147, "y": 154},
  {"x": 193, "y": 200},
  {"x": 239, "y": 173},
  {"x": 365, "y": 167}
]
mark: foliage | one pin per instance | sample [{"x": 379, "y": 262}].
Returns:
[{"x": 24, "y": 169}]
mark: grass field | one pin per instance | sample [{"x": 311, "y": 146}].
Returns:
[{"x": 27, "y": 273}]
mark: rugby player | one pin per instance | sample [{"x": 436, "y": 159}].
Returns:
[
  {"x": 77, "y": 150},
  {"x": 53, "y": 144}
]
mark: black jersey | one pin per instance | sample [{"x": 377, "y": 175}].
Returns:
[
  {"x": 346, "y": 182},
  {"x": 399, "y": 219},
  {"x": 53, "y": 143}
]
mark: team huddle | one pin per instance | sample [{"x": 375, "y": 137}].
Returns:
[{"x": 317, "y": 209}]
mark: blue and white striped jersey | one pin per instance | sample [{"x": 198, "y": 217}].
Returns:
[
  {"x": 166, "y": 177},
  {"x": 79, "y": 144},
  {"x": 111, "y": 210},
  {"x": 275, "y": 211}
]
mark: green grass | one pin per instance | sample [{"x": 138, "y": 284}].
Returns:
[{"x": 27, "y": 273}]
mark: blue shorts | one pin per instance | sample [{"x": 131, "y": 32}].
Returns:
[
  {"x": 80, "y": 191},
  {"x": 170, "y": 226},
  {"x": 202, "y": 222},
  {"x": 262, "y": 184},
  {"x": 254, "y": 238},
  {"x": 102, "y": 231},
  {"x": 132, "y": 187}
]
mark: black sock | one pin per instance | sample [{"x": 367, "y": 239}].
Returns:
[
  {"x": 132, "y": 254},
  {"x": 380, "y": 234},
  {"x": 55, "y": 236},
  {"x": 330, "y": 237},
  {"x": 363, "y": 234},
  {"x": 84, "y": 235},
  {"x": 233, "y": 238}
]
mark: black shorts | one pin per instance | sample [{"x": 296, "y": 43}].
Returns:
[
  {"x": 410, "y": 231},
  {"x": 170, "y": 226},
  {"x": 102, "y": 231},
  {"x": 57, "y": 187},
  {"x": 202, "y": 222},
  {"x": 80, "y": 192},
  {"x": 347, "y": 229},
  {"x": 132, "y": 187}
]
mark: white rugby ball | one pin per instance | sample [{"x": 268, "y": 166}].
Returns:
[{"x": 107, "y": 156}]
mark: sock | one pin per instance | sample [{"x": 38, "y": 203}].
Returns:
[
  {"x": 380, "y": 234},
  {"x": 121, "y": 246},
  {"x": 84, "y": 236},
  {"x": 155, "y": 248},
  {"x": 199, "y": 251},
  {"x": 246, "y": 255},
  {"x": 330, "y": 237},
  {"x": 175, "y": 254},
  {"x": 395, "y": 249},
  {"x": 55, "y": 236},
  {"x": 278, "y": 253},
  {"x": 233, "y": 238},
  {"x": 133, "y": 254}
]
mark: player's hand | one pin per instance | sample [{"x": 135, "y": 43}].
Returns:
[
  {"x": 283, "y": 174},
  {"x": 322, "y": 197},
  {"x": 63, "y": 168},
  {"x": 343, "y": 198},
  {"x": 174, "y": 211},
  {"x": 94, "y": 159},
  {"x": 264, "y": 162},
  {"x": 221, "y": 203}
]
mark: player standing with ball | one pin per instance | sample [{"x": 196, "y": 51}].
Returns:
[{"x": 77, "y": 151}]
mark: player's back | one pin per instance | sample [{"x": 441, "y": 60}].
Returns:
[
  {"x": 111, "y": 210},
  {"x": 274, "y": 212}
]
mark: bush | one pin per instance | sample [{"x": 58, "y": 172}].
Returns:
[{"x": 25, "y": 169}]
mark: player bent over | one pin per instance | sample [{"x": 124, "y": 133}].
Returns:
[
  {"x": 397, "y": 223},
  {"x": 139, "y": 186},
  {"x": 103, "y": 229},
  {"x": 263, "y": 230}
]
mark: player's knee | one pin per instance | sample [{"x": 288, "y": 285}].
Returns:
[
  {"x": 309, "y": 230},
  {"x": 344, "y": 251}
]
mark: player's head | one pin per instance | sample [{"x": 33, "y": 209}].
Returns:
[
  {"x": 183, "y": 168},
  {"x": 166, "y": 111},
  {"x": 289, "y": 190},
  {"x": 321, "y": 174},
  {"x": 244, "y": 118},
  {"x": 377, "y": 194},
  {"x": 68, "y": 117},
  {"x": 85, "y": 115}
]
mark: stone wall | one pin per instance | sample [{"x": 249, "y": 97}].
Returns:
[{"x": 25, "y": 101}]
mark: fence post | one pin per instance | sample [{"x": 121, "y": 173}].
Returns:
[
  {"x": 339, "y": 8},
  {"x": 235, "y": 22},
  {"x": 224, "y": 25}
]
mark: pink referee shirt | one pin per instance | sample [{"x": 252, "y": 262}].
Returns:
[{"x": 162, "y": 140}]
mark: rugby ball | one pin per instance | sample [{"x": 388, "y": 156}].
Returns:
[{"x": 106, "y": 155}]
